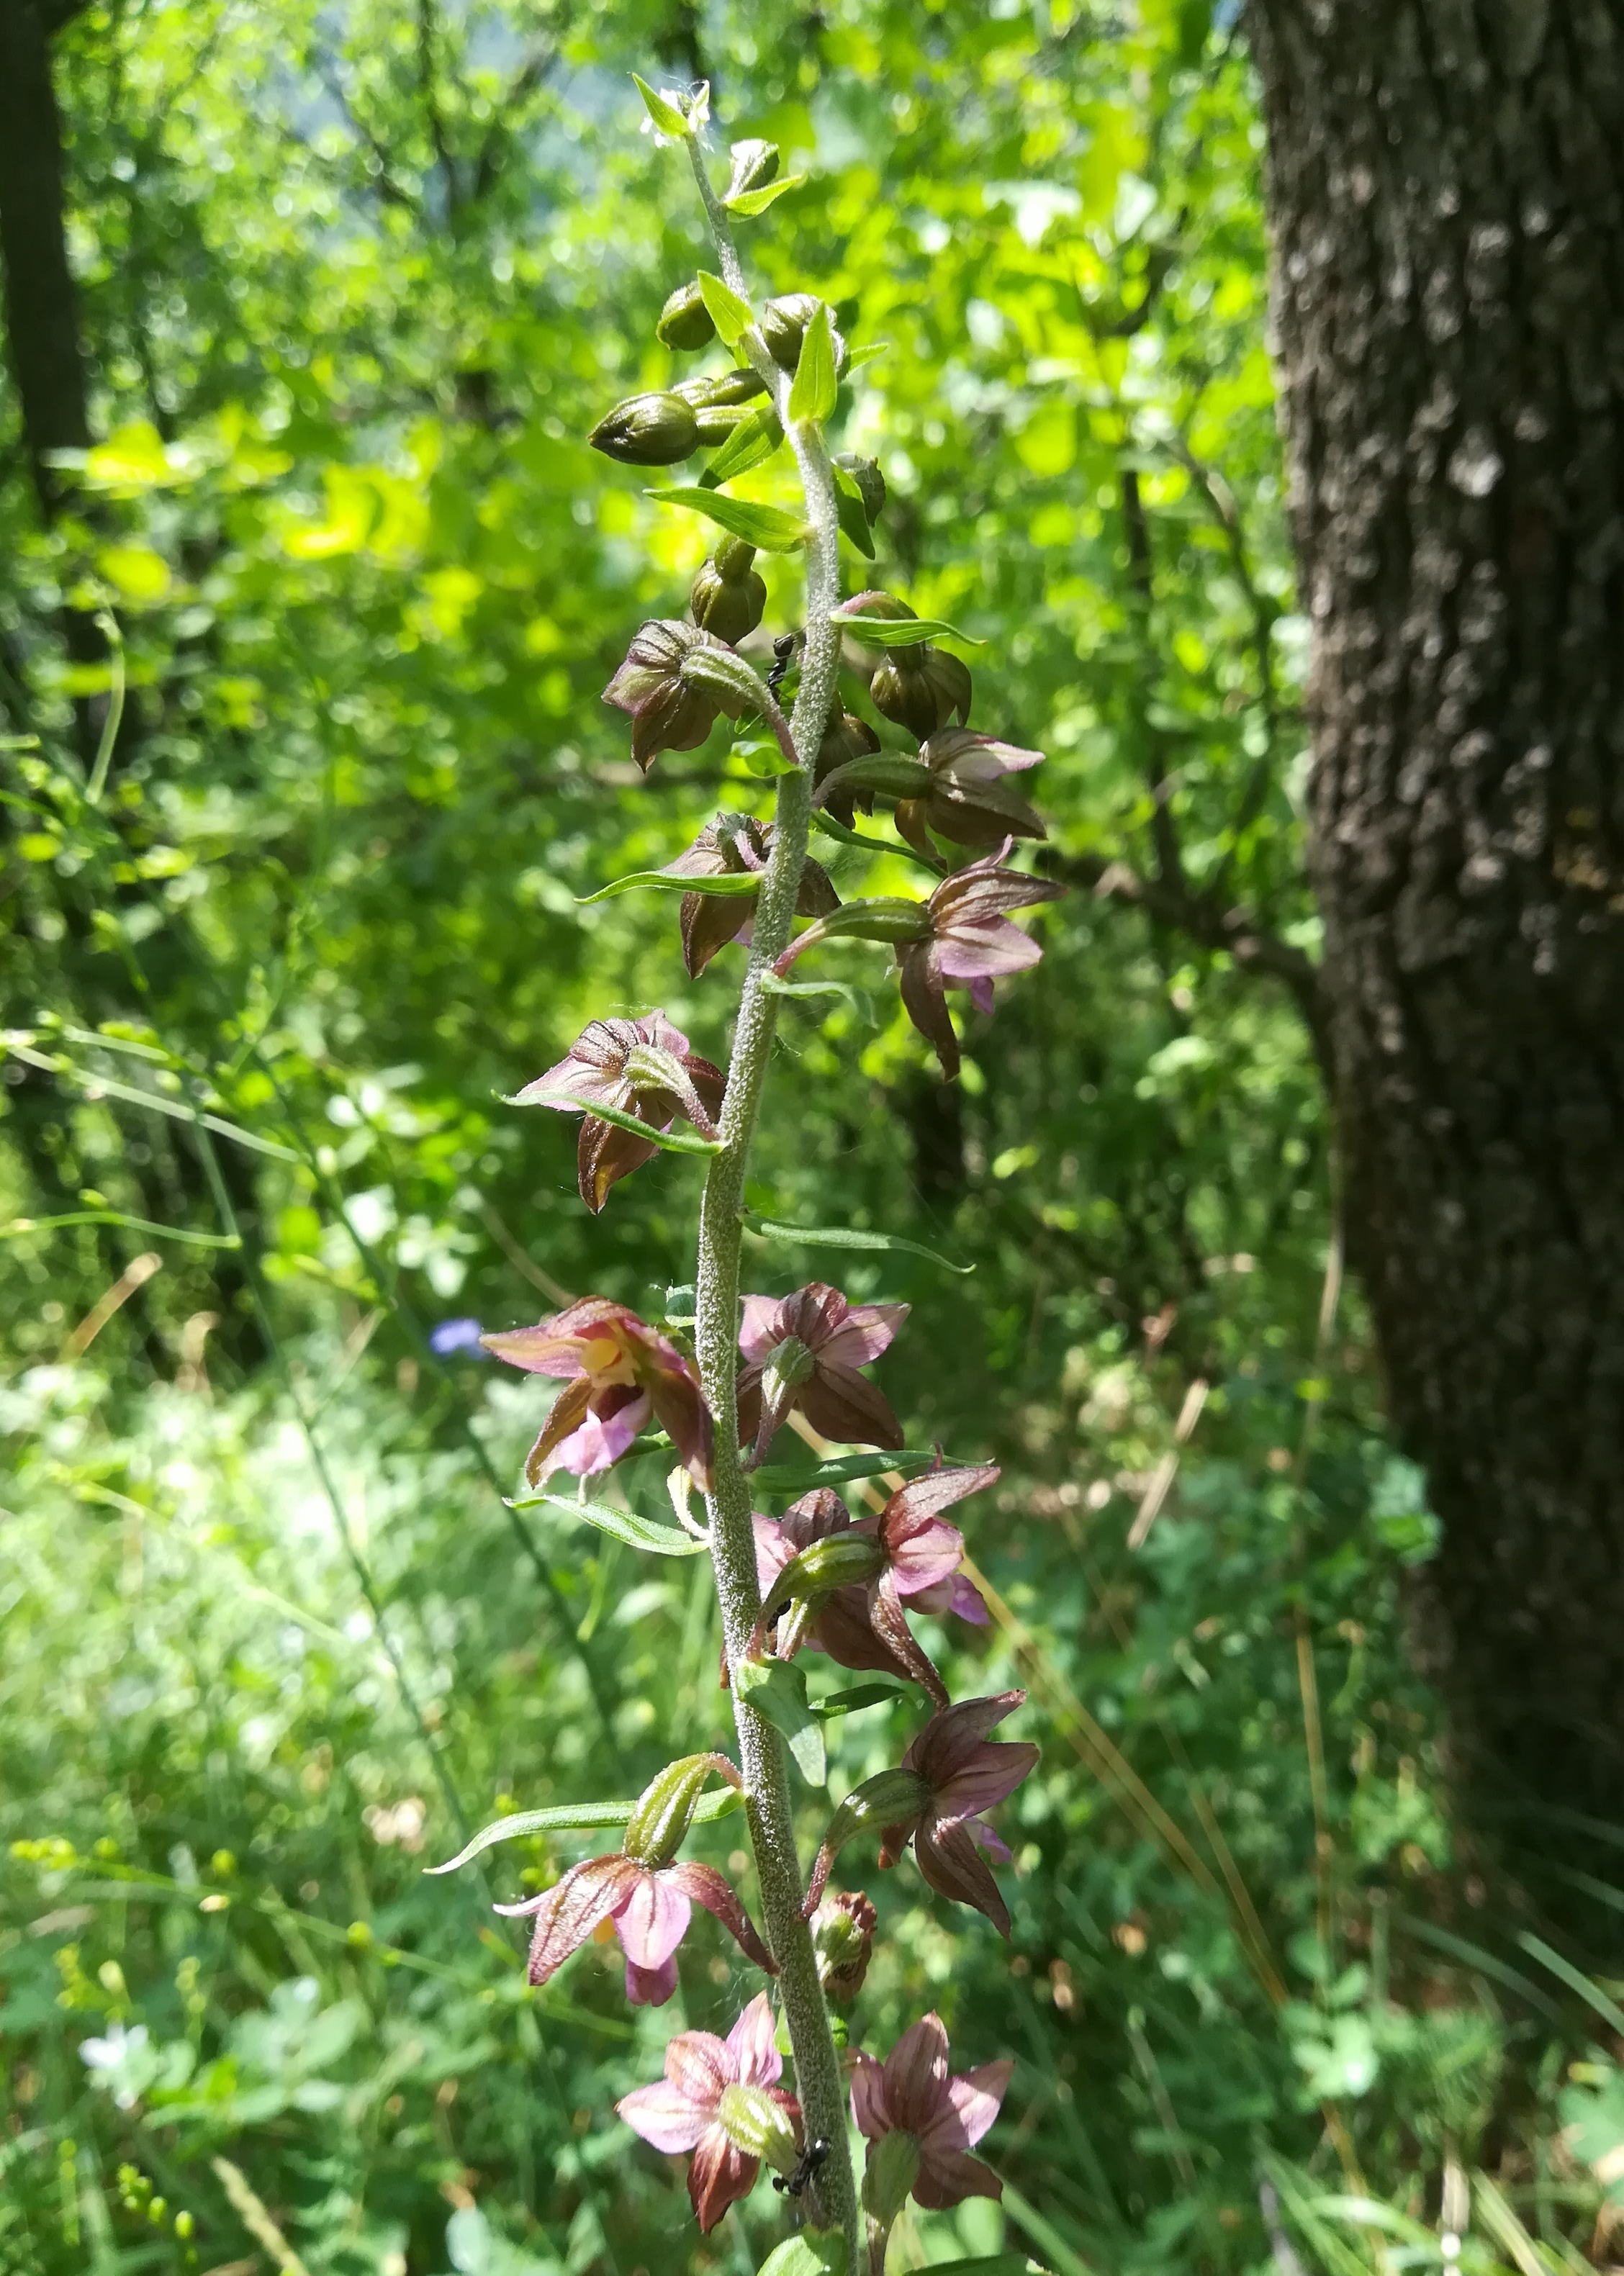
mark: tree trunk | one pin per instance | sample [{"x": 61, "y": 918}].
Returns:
[
  {"x": 41, "y": 305},
  {"x": 1446, "y": 191}
]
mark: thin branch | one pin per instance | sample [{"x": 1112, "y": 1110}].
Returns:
[
  {"x": 1236, "y": 931},
  {"x": 499, "y": 135}
]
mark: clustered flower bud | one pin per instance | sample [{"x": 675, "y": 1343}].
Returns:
[
  {"x": 740, "y": 385},
  {"x": 846, "y": 738},
  {"x": 843, "y": 1931},
  {"x": 729, "y": 597},
  {"x": 920, "y": 689},
  {"x": 784, "y": 326},
  {"x": 648, "y": 430},
  {"x": 685, "y": 322}
]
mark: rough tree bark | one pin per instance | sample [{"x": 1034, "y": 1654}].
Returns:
[
  {"x": 42, "y": 303},
  {"x": 1446, "y": 194}
]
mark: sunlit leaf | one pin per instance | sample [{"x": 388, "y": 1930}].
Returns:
[
  {"x": 813, "y": 390},
  {"x": 623, "y": 1524},
  {"x": 767, "y": 527},
  {"x": 750, "y": 202}
]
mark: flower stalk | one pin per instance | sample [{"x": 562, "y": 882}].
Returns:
[{"x": 821, "y": 2087}]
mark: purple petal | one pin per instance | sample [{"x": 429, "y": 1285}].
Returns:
[
  {"x": 920, "y": 1555},
  {"x": 994, "y": 1770},
  {"x": 651, "y": 1987},
  {"x": 756, "y": 2061},
  {"x": 759, "y": 1333},
  {"x": 652, "y": 1920},
  {"x": 665, "y": 2118},
  {"x": 866, "y": 1332},
  {"x": 986, "y": 951},
  {"x": 916, "y": 2075},
  {"x": 869, "y": 2111},
  {"x": 976, "y": 2097},
  {"x": 601, "y": 1439},
  {"x": 981, "y": 996}
]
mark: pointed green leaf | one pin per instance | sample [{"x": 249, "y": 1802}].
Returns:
[
  {"x": 902, "y": 632},
  {"x": 578, "y": 1818},
  {"x": 834, "y": 1236},
  {"x": 813, "y": 2252},
  {"x": 731, "y": 316},
  {"x": 670, "y": 1141},
  {"x": 665, "y": 115},
  {"x": 856, "y": 358},
  {"x": 859, "y": 1003},
  {"x": 777, "y": 1690},
  {"x": 752, "y": 443},
  {"x": 748, "y": 203},
  {"x": 842, "y": 1471},
  {"x": 762, "y": 757},
  {"x": 666, "y": 880},
  {"x": 623, "y": 1524},
  {"x": 812, "y": 393},
  {"x": 853, "y": 1702},
  {"x": 767, "y": 527},
  {"x": 830, "y": 828},
  {"x": 854, "y": 521}
]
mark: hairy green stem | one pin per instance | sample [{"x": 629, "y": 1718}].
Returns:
[{"x": 819, "y": 2080}]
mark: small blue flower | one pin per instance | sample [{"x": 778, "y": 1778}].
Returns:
[{"x": 456, "y": 1336}]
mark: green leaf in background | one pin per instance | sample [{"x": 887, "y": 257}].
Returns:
[
  {"x": 813, "y": 2252},
  {"x": 753, "y": 441},
  {"x": 623, "y": 1524},
  {"x": 836, "y": 1236},
  {"x": 768, "y": 528},
  {"x": 748, "y": 203},
  {"x": 815, "y": 387},
  {"x": 664, "y": 114},
  {"x": 579, "y": 1817},
  {"x": 777, "y": 1690},
  {"x": 663, "y": 880},
  {"x": 732, "y": 316},
  {"x": 996, "y": 2264},
  {"x": 759, "y": 755}
]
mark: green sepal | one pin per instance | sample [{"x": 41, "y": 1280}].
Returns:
[
  {"x": 814, "y": 388},
  {"x": 577, "y": 1818},
  {"x": 767, "y": 527},
  {"x": 658, "y": 1827},
  {"x": 777, "y": 1690},
  {"x": 666, "y": 880},
  {"x": 748, "y": 203},
  {"x": 620, "y": 1524},
  {"x": 753, "y": 441},
  {"x": 665, "y": 115},
  {"x": 731, "y": 316}
]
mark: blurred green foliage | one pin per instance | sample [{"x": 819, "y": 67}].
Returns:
[{"x": 355, "y": 284}]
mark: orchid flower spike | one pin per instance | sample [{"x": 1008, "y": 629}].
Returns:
[
  {"x": 950, "y": 1774},
  {"x": 632, "y": 1066},
  {"x": 803, "y": 1352},
  {"x": 648, "y": 1898},
  {"x": 720, "y": 2100},
  {"x": 621, "y": 1373}
]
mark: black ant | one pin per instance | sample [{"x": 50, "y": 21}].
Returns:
[
  {"x": 784, "y": 647},
  {"x": 812, "y": 2158}
]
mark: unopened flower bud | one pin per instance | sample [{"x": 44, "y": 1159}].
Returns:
[
  {"x": 715, "y": 422},
  {"x": 725, "y": 679},
  {"x": 738, "y": 386},
  {"x": 920, "y": 689},
  {"x": 755, "y": 164},
  {"x": 685, "y": 322},
  {"x": 758, "y": 2126},
  {"x": 843, "y": 1931},
  {"x": 648, "y": 430},
  {"x": 869, "y": 481},
  {"x": 728, "y": 598},
  {"x": 659, "y": 1824},
  {"x": 784, "y": 326},
  {"x": 890, "y": 2172},
  {"x": 845, "y": 738}
]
